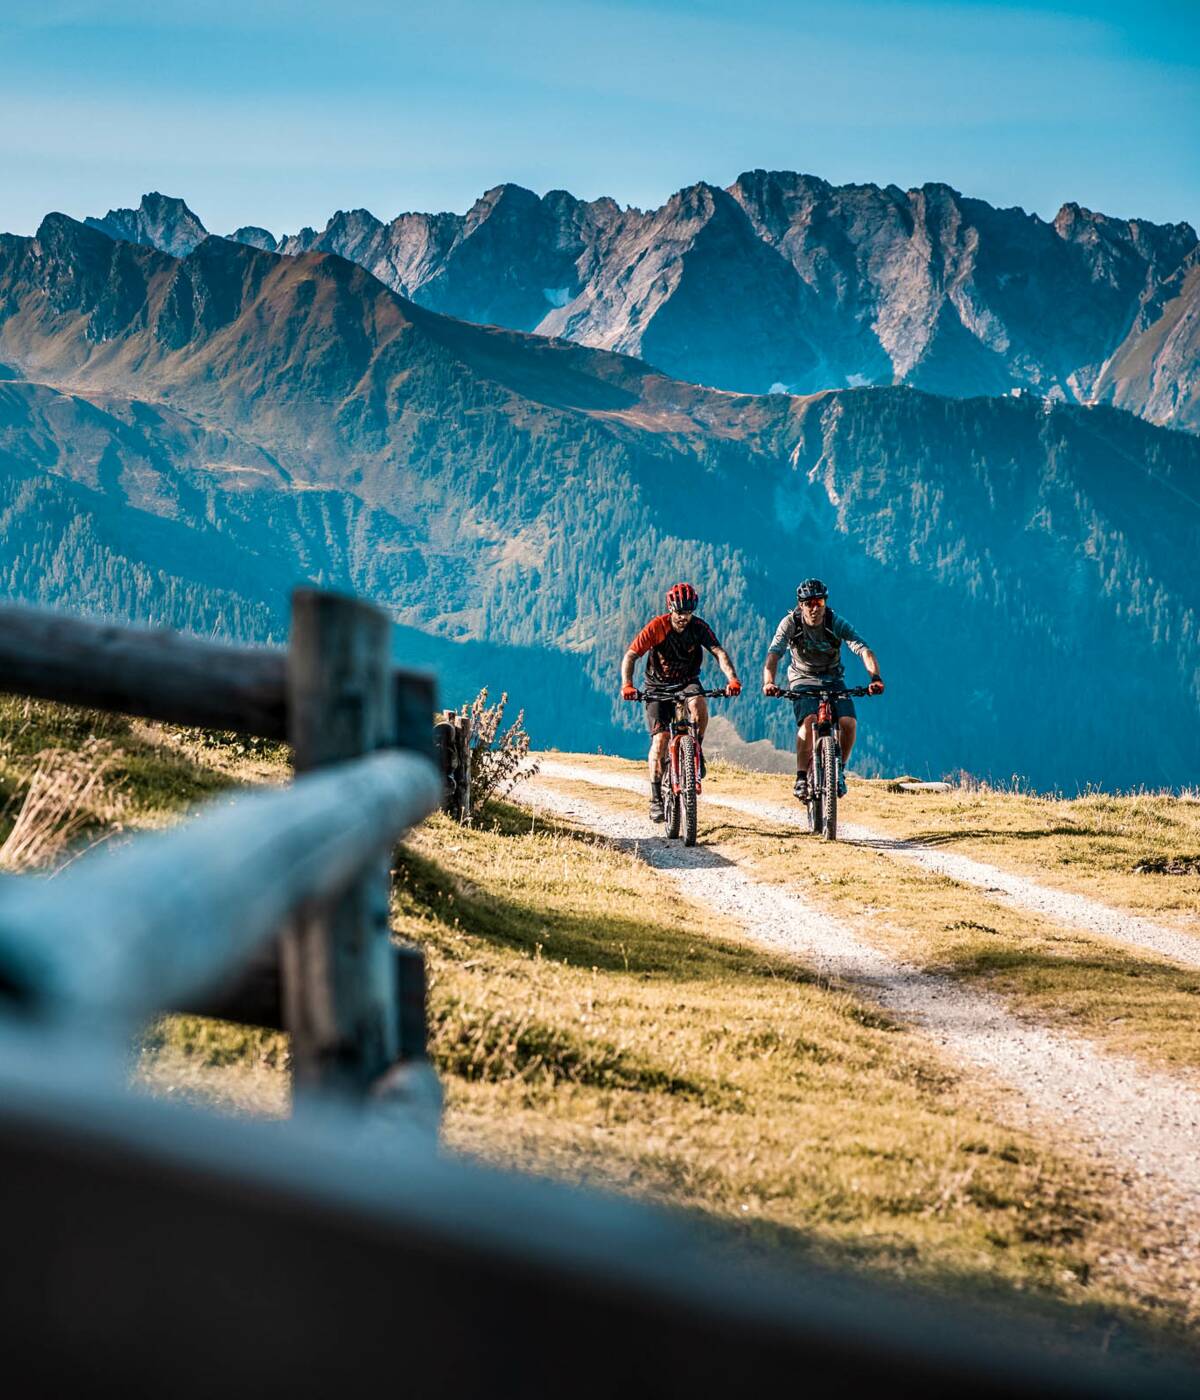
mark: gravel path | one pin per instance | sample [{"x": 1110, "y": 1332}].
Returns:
[
  {"x": 1073, "y": 910},
  {"x": 1115, "y": 1109}
]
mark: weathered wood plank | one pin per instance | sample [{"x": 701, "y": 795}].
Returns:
[
  {"x": 339, "y": 985},
  {"x": 172, "y": 915},
  {"x": 466, "y": 797},
  {"x": 135, "y": 1233},
  {"x": 415, "y": 700},
  {"x": 165, "y": 675},
  {"x": 252, "y": 996},
  {"x": 156, "y": 674}
]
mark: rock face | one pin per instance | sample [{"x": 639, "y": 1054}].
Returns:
[
  {"x": 253, "y": 237},
  {"x": 1156, "y": 370},
  {"x": 183, "y": 439},
  {"x": 786, "y": 282},
  {"x": 159, "y": 221}
]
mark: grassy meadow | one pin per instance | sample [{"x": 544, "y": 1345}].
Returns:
[{"x": 590, "y": 1024}]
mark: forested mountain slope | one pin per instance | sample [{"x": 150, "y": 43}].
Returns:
[
  {"x": 183, "y": 439},
  {"x": 784, "y": 280}
]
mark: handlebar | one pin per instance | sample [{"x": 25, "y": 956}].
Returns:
[
  {"x": 652, "y": 694},
  {"x": 808, "y": 692}
]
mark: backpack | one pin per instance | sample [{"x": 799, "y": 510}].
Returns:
[{"x": 826, "y": 625}]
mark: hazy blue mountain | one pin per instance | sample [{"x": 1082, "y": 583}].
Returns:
[
  {"x": 202, "y": 432},
  {"x": 786, "y": 281}
]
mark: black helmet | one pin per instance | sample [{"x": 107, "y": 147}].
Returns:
[{"x": 811, "y": 588}]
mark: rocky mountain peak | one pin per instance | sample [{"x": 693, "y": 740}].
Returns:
[
  {"x": 352, "y": 232},
  {"x": 784, "y": 281},
  {"x": 160, "y": 221},
  {"x": 1160, "y": 246},
  {"x": 457, "y": 467},
  {"x": 507, "y": 201},
  {"x": 255, "y": 237}
]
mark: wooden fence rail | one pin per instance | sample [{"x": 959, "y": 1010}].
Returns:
[
  {"x": 151, "y": 1248},
  {"x": 167, "y": 918},
  {"x": 166, "y": 676}
]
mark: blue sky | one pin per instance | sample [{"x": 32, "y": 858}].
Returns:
[{"x": 278, "y": 112}]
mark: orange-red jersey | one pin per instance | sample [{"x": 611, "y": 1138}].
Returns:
[{"x": 674, "y": 657}]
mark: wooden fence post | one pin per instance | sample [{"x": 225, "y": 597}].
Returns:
[
  {"x": 464, "y": 761},
  {"x": 338, "y": 974},
  {"x": 452, "y": 741}
]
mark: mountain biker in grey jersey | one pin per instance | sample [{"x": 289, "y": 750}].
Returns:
[{"x": 813, "y": 634}]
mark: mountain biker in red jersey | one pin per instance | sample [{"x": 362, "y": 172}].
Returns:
[
  {"x": 814, "y": 634},
  {"x": 676, "y": 641}
]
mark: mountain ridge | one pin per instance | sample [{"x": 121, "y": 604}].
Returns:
[{"x": 785, "y": 281}]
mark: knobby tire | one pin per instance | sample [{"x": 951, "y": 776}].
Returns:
[
  {"x": 670, "y": 805},
  {"x": 687, "y": 789},
  {"x": 814, "y": 791},
  {"x": 829, "y": 786}
]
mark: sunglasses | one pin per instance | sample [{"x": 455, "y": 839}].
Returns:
[{"x": 811, "y": 602}]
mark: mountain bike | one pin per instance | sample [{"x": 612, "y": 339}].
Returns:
[
  {"x": 825, "y": 765},
  {"x": 681, "y": 777}
]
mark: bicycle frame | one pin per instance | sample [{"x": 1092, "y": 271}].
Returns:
[
  {"x": 822, "y": 798},
  {"x": 682, "y": 723}
]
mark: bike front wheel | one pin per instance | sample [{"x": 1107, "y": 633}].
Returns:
[
  {"x": 829, "y": 787},
  {"x": 687, "y": 789},
  {"x": 670, "y": 805},
  {"x": 813, "y": 804}
]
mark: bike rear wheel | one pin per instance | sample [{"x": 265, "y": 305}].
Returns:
[
  {"x": 829, "y": 786},
  {"x": 687, "y": 789}
]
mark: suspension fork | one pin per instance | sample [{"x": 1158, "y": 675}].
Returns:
[{"x": 823, "y": 724}]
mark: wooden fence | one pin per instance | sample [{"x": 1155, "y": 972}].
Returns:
[
  {"x": 190, "y": 921},
  {"x": 151, "y": 1247}
]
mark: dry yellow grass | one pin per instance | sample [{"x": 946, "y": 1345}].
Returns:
[
  {"x": 235, "y": 1069},
  {"x": 1091, "y": 844}
]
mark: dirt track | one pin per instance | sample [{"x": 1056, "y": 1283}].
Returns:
[
  {"x": 1142, "y": 1120},
  {"x": 1073, "y": 910}
]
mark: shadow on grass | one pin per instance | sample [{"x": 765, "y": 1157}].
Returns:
[
  {"x": 610, "y": 939},
  {"x": 1095, "y": 974},
  {"x": 946, "y": 838},
  {"x": 518, "y": 821}
]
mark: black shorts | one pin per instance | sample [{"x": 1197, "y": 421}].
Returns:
[{"x": 660, "y": 713}]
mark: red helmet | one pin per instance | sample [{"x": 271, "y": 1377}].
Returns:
[{"x": 682, "y": 598}]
